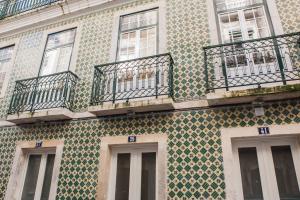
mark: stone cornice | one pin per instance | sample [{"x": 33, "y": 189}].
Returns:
[{"x": 59, "y": 11}]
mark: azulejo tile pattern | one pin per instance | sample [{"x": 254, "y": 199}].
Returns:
[
  {"x": 187, "y": 33},
  {"x": 289, "y": 14},
  {"x": 194, "y": 147}
]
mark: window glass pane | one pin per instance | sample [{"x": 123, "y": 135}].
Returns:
[
  {"x": 129, "y": 22},
  {"x": 48, "y": 177},
  {"x": 139, "y": 20},
  {"x": 64, "y": 59},
  {"x": 58, "y": 52},
  {"x": 128, "y": 46},
  {"x": 231, "y": 27},
  {"x": 234, "y": 4},
  {"x": 61, "y": 38},
  {"x": 285, "y": 173},
  {"x": 5, "y": 58},
  {"x": 148, "y": 18},
  {"x": 250, "y": 174},
  {"x": 122, "y": 179},
  {"x": 148, "y": 176},
  {"x": 50, "y": 62},
  {"x": 148, "y": 42},
  {"x": 2, "y": 4},
  {"x": 31, "y": 177},
  {"x": 256, "y": 23},
  {"x": 138, "y": 35}
]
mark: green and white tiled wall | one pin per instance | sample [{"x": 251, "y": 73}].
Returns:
[
  {"x": 195, "y": 168},
  {"x": 194, "y": 146},
  {"x": 187, "y": 33}
]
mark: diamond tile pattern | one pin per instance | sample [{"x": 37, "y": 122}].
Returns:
[
  {"x": 195, "y": 168},
  {"x": 289, "y": 14},
  {"x": 194, "y": 160},
  {"x": 187, "y": 33}
]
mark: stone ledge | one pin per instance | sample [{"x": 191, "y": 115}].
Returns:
[
  {"x": 41, "y": 115},
  {"x": 250, "y": 95},
  {"x": 151, "y": 105}
]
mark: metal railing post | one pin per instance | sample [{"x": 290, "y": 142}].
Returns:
[
  {"x": 279, "y": 59},
  {"x": 170, "y": 75},
  {"x": 206, "y": 70},
  {"x": 65, "y": 94},
  {"x": 115, "y": 84},
  {"x": 156, "y": 79}
]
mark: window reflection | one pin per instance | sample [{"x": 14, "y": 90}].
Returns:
[{"x": 58, "y": 52}]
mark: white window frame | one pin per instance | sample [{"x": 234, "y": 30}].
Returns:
[
  {"x": 162, "y": 28},
  {"x": 20, "y": 163},
  {"x": 59, "y": 48},
  {"x": 106, "y": 152},
  {"x": 135, "y": 152},
  {"x": 229, "y": 136},
  {"x": 213, "y": 21},
  {"x": 14, "y": 43},
  {"x": 137, "y": 32},
  {"x": 74, "y": 55}
]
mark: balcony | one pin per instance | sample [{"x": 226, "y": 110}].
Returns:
[
  {"x": 44, "y": 98},
  {"x": 12, "y": 7},
  {"x": 139, "y": 85},
  {"x": 254, "y": 68}
]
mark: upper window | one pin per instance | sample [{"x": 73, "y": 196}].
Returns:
[
  {"x": 38, "y": 176},
  {"x": 5, "y": 60},
  {"x": 58, "y": 52},
  {"x": 241, "y": 20},
  {"x": 138, "y": 35}
]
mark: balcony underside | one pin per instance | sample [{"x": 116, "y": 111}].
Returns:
[
  {"x": 40, "y": 116},
  {"x": 243, "y": 96},
  {"x": 137, "y": 106},
  {"x": 11, "y": 8}
]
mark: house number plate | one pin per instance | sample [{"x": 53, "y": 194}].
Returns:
[
  {"x": 131, "y": 138},
  {"x": 264, "y": 130},
  {"x": 39, "y": 144}
]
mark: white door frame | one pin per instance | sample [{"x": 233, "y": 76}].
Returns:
[
  {"x": 135, "y": 166},
  {"x": 229, "y": 135},
  {"x": 106, "y": 147},
  {"x": 265, "y": 162}
]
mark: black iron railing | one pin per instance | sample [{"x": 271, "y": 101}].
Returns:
[
  {"x": 253, "y": 62},
  {"x": 13, "y": 7},
  {"x": 44, "y": 92},
  {"x": 144, "y": 77}
]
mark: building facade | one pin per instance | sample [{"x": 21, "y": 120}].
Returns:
[{"x": 149, "y": 99}]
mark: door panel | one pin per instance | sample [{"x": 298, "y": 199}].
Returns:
[
  {"x": 133, "y": 174},
  {"x": 250, "y": 174},
  {"x": 268, "y": 169},
  {"x": 285, "y": 173}
]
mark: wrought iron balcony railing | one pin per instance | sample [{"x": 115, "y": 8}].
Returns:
[
  {"x": 13, "y": 7},
  {"x": 139, "y": 78},
  {"x": 44, "y": 92},
  {"x": 253, "y": 62}
]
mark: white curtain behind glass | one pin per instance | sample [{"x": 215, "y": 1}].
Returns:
[
  {"x": 5, "y": 58},
  {"x": 58, "y": 52}
]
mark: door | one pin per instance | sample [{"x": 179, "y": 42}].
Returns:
[
  {"x": 268, "y": 169},
  {"x": 133, "y": 173}
]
